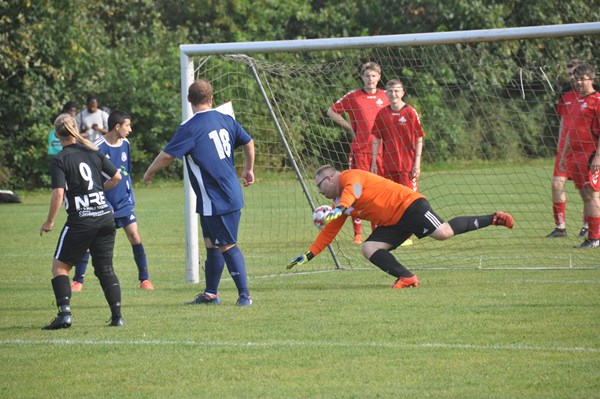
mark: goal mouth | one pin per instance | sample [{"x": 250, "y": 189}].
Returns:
[{"x": 486, "y": 101}]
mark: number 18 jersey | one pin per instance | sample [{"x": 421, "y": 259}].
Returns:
[{"x": 207, "y": 140}]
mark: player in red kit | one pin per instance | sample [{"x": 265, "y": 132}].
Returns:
[
  {"x": 362, "y": 107},
  {"x": 398, "y": 132},
  {"x": 581, "y": 155}
]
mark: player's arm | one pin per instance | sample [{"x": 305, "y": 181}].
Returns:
[
  {"x": 56, "y": 200},
  {"x": 376, "y": 145},
  {"x": 161, "y": 161},
  {"x": 418, "y": 151},
  {"x": 340, "y": 120},
  {"x": 248, "y": 171},
  {"x": 113, "y": 181},
  {"x": 324, "y": 238}
]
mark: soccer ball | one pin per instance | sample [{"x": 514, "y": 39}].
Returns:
[{"x": 319, "y": 214}]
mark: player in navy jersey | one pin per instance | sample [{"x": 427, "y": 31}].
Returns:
[
  {"x": 115, "y": 146},
  {"x": 207, "y": 140},
  {"x": 77, "y": 175}
]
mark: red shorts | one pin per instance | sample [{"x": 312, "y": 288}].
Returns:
[
  {"x": 362, "y": 161},
  {"x": 578, "y": 168},
  {"x": 403, "y": 178}
]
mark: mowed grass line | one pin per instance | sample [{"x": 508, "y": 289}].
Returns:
[{"x": 332, "y": 334}]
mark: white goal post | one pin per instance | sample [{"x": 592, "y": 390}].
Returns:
[{"x": 244, "y": 49}]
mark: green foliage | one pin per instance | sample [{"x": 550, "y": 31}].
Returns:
[{"x": 126, "y": 52}]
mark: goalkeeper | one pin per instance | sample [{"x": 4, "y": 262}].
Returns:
[{"x": 396, "y": 210}]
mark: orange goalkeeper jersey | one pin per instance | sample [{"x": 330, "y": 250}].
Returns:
[{"x": 370, "y": 197}]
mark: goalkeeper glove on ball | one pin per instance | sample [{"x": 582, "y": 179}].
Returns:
[
  {"x": 334, "y": 214},
  {"x": 300, "y": 260}
]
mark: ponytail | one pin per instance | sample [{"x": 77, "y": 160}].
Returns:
[{"x": 66, "y": 126}]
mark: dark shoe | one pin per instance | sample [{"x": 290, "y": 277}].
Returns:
[
  {"x": 583, "y": 232},
  {"x": 62, "y": 320},
  {"x": 590, "y": 244},
  {"x": 557, "y": 233},
  {"x": 205, "y": 299},
  {"x": 116, "y": 322},
  {"x": 244, "y": 300}
]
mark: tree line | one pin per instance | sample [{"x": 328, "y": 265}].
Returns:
[{"x": 127, "y": 53}]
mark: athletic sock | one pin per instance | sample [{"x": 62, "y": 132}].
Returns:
[
  {"x": 81, "y": 267},
  {"x": 140, "y": 260},
  {"x": 560, "y": 210},
  {"x": 357, "y": 226},
  {"x": 387, "y": 262},
  {"x": 464, "y": 224},
  {"x": 593, "y": 227},
  {"x": 213, "y": 269},
  {"x": 237, "y": 269},
  {"x": 112, "y": 292},
  {"x": 62, "y": 291}
]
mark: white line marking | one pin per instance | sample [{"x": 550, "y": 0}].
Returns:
[{"x": 292, "y": 344}]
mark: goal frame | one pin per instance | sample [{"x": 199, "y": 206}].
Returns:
[{"x": 188, "y": 51}]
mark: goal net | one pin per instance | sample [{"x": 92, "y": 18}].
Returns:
[{"x": 488, "y": 112}]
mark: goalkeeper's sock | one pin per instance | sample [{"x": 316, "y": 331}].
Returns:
[
  {"x": 464, "y": 224},
  {"x": 387, "y": 262},
  {"x": 559, "y": 209},
  {"x": 139, "y": 255},
  {"x": 213, "y": 269},
  {"x": 237, "y": 268},
  {"x": 81, "y": 267}
]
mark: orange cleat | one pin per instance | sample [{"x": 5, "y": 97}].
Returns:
[
  {"x": 407, "y": 282},
  {"x": 357, "y": 239},
  {"x": 146, "y": 285},
  {"x": 503, "y": 219},
  {"x": 76, "y": 286}
]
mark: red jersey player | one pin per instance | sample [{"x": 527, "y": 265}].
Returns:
[
  {"x": 560, "y": 177},
  {"x": 581, "y": 155},
  {"x": 362, "y": 107},
  {"x": 398, "y": 132}
]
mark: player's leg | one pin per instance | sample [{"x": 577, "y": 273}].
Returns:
[
  {"x": 356, "y": 161},
  {"x": 80, "y": 269},
  {"x": 377, "y": 250},
  {"x": 71, "y": 246},
  {"x": 130, "y": 227},
  {"x": 559, "y": 206},
  {"x": 101, "y": 250},
  {"x": 591, "y": 207}
]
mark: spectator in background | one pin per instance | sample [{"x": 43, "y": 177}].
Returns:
[
  {"x": 92, "y": 121},
  {"x": 54, "y": 146},
  {"x": 362, "y": 106}
]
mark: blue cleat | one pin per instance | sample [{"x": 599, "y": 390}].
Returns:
[
  {"x": 205, "y": 299},
  {"x": 244, "y": 300}
]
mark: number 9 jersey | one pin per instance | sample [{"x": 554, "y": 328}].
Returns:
[
  {"x": 208, "y": 140},
  {"x": 79, "y": 170}
]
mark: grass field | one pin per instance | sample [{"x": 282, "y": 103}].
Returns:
[{"x": 467, "y": 332}]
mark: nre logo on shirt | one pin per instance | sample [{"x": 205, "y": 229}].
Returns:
[{"x": 84, "y": 201}]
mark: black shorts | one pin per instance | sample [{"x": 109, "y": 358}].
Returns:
[
  {"x": 74, "y": 241},
  {"x": 419, "y": 220}
]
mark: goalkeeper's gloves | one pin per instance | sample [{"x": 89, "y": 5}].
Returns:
[
  {"x": 334, "y": 214},
  {"x": 300, "y": 260}
]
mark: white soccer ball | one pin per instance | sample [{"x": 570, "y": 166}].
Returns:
[{"x": 319, "y": 214}]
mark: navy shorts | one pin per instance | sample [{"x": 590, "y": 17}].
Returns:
[
  {"x": 419, "y": 220},
  {"x": 125, "y": 220},
  {"x": 221, "y": 229},
  {"x": 75, "y": 241}
]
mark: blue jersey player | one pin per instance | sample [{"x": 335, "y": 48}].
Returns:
[
  {"x": 115, "y": 146},
  {"x": 207, "y": 140}
]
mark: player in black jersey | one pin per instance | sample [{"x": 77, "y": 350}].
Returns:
[{"x": 77, "y": 175}]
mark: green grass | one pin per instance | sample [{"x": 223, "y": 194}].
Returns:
[{"x": 465, "y": 333}]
